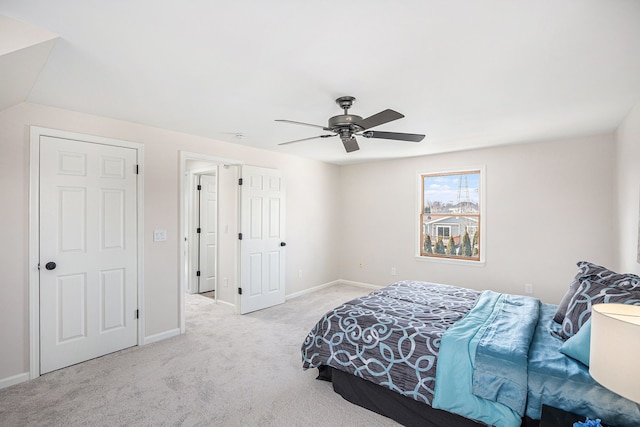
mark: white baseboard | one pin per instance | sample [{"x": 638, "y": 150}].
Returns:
[
  {"x": 310, "y": 290},
  {"x": 219, "y": 301},
  {"x": 161, "y": 336},
  {"x": 359, "y": 284},
  {"x": 16, "y": 379},
  {"x": 333, "y": 283}
]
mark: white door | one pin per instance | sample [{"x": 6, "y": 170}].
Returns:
[
  {"x": 208, "y": 225},
  {"x": 88, "y": 251},
  {"x": 262, "y": 248}
]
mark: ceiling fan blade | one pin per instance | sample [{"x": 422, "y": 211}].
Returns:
[
  {"x": 306, "y": 139},
  {"x": 301, "y": 123},
  {"x": 350, "y": 144},
  {"x": 382, "y": 117},
  {"x": 398, "y": 136}
]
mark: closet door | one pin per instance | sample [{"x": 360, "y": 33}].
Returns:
[{"x": 88, "y": 251}]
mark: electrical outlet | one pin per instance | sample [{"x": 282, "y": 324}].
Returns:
[
  {"x": 393, "y": 271},
  {"x": 299, "y": 274},
  {"x": 360, "y": 265},
  {"x": 225, "y": 282},
  {"x": 528, "y": 288}
]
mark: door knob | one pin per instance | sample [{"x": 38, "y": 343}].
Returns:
[
  {"x": 283, "y": 244},
  {"x": 50, "y": 265}
]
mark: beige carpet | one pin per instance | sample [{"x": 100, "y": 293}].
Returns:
[
  {"x": 227, "y": 370},
  {"x": 210, "y": 294}
]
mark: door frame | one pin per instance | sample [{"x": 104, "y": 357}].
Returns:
[
  {"x": 184, "y": 179},
  {"x": 34, "y": 231}
]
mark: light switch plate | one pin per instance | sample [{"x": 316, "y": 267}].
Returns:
[{"x": 159, "y": 235}]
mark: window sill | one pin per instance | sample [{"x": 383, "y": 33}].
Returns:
[{"x": 461, "y": 262}]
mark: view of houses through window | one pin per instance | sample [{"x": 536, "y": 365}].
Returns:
[{"x": 450, "y": 215}]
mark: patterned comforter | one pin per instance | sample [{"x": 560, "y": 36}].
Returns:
[{"x": 390, "y": 337}]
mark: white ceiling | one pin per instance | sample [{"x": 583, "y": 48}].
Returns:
[{"x": 467, "y": 73}]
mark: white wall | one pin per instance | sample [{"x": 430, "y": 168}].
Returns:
[
  {"x": 628, "y": 191},
  {"x": 558, "y": 196},
  {"x": 311, "y": 217},
  {"x": 548, "y": 205}
]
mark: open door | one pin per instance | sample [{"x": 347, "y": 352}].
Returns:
[
  {"x": 207, "y": 230},
  {"x": 262, "y": 244}
]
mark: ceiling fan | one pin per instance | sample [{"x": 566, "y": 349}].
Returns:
[{"x": 348, "y": 126}]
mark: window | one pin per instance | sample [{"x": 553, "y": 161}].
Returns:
[
  {"x": 443, "y": 232},
  {"x": 450, "y": 215}
]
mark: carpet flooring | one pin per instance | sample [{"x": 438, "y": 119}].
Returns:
[
  {"x": 226, "y": 370},
  {"x": 210, "y": 294}
]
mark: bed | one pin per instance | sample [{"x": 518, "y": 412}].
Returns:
[{"x": 439, "y": 355}]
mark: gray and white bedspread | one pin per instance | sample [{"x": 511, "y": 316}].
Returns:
[{"x": 390, "y": 337}]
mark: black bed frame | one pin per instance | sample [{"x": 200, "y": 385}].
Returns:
[{"x": 402, "y": 409}]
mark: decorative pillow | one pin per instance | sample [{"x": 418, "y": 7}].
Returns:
[
  {"x": 564, "y": 303},
  {"x": 578, "y": 346},
  {"x": 602, "y": 288},
  {"x": 585, "y": 269}
]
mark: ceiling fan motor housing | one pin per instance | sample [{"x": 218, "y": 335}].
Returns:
[{"x": 345, "y": 120}]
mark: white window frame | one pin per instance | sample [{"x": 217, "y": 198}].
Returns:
[{"x": 483, "y": 215}]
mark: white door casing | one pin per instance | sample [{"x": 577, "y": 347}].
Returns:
[
  {"x": 208, "y": 236},
  {"x": 88, "y": 228},
  {"x": 262, "y": 248}
]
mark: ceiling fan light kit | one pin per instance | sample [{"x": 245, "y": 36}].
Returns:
[{"x": 348, "y": 126}]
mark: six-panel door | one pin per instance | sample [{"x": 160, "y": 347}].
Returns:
[
  {"x": 262, "y": 219},
  {"x": 88, "y": 214}
]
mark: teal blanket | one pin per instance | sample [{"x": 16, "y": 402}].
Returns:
[{"x": 482, "y": 365}]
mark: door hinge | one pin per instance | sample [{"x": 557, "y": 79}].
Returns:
[
  {"x": 137, "y": 314},
  {"x": 198, "y": 230},
  {"x": 240, "y": 181},
  {"x": 239, "y": 236},
  {"x": 137, "y": 169},
  {"x": 38, "y": 266},
  {"x": 198, "y": 273},
  {"x": 239, "y": 291},
  {"x": 199, "y": 187}
]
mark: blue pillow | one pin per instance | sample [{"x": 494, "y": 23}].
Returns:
[{"x": 578, "y": 346}]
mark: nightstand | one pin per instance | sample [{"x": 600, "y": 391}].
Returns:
[{"x": 554, "y": 417}]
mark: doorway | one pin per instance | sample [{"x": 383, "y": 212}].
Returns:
[
  {"x": 250, "y": 271},
  {"x": 209, "y": 259}
]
